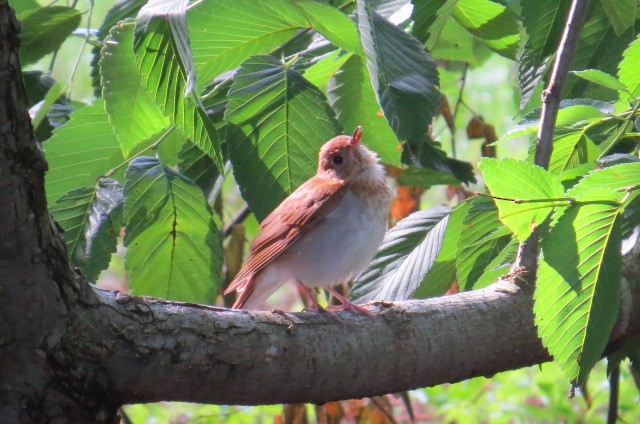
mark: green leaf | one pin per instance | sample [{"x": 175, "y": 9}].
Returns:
[
  {"x": 569, "y": 151},
  {"x": 525, "y": 182},
  {"x": 173, "y": 245},
  {"x": 499, "y": 266},
  {"x": 44, "y": 29},
  {"x": 482, "y": 239},
  {"x": 404, "y": 258},
  {"x": 42, "y": 108},
  {"x": 601, "y": 78},
  {"x": 425, "y": 13},
  {"x": 425, "y": 178},
  {"x": 225, "y": 33},
  {"x": 543, "y": 22},
  {"x": 334, "y": 25},
  {"x": 599, "y": 48},
  {"x": 616, "y": 178},
  {"x": 402, "y": 73},
  {"x": 284, "y": 121},
  {"x": 168, "y": 80},
  {"x": 80, "y": 151},
  {"x": 91, "y": 218},
  {"x": 628, "y": 70},
  {"x": 441, "y": 18},
  {"x": 455, "y": 43},
  {"x": 621, "y": 13},
  {"x": 173, "y": 14},
  {"x": 134, "y": 116},
  {"x": 352, "y": 97},
  {"x": 443, "y": 271},
  {"x": 577, "y": 292},
  {"x": 493, "y": 24},
  {"x": 197, "y": 166},
  {"x": 23, "y": 5},
  {"x": 323, "y": 70}
]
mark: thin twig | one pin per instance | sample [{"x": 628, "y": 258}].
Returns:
[
  {"x": 614, "y": 389},
  {"x": 551, "y": 96},
  {"x": 463, "y": 81},
  {"x": 240, "y": 216},
  {"x": 527, "y": 258},
  {"x": 146, "y": 149}
]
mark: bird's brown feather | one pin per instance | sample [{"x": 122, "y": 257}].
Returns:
[{"x": 296, "y": 216}]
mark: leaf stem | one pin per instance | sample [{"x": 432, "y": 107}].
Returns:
[
  {"x": 519, "y": 201},
  {"x": 146, "y": 149},
  {"x": 623, "y": 131}
]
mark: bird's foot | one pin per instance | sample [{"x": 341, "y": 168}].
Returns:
[{"x": 348, "y": 306}]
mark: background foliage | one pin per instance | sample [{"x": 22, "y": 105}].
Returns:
[{"x": 160, "y": 120}]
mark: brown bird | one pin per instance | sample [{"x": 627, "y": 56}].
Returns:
[{"x": 326, "y": 232}]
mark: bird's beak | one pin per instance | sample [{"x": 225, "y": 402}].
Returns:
[{"x": 355, "y": 140}]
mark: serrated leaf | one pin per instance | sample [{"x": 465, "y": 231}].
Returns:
[
  {"x": 499, "y": 265},
  {"x": 91, "y": 218},
  {"x": 134, "y": 115},
  {"x": 173, "y": 14},
  {"x": 402, "y": 73},
  {"x": 166, "y": 77},
  {"x": 491, "y": 23},
  {"x": 455, "y": 43},
  {"x": 323, "y": 70},
  {"x": 334, "y": 25},
  {"x": 621, "y": 13},
  {"x": 80, "y": 151},
  {"x": 482, "y": 239},
  {"x": 44, "y": 29},
  {"x": 352, "y": 97},
  {"x": 199, "y": 167},
  {"x": 284, "y": 121},
  {"x": 599, "y": 48},
  {"x": 405, "y": 256},
  {"x": 601, "y": 78},
  {"x": 436, "y": 26},
  {"x": 577, "y": 292},
  {"x": 425, "y": 13},
  {"x": 23, "y": 5},
  {"x": 569, "y": 151},
  {"x": 174, "y": 248},
  {"x": 628, "y": 69},
  {"x": 616, "y": 178},
  {"x": 525, "y": 182},
  {"x": 224, "y": 33},
  {"x": 443, "y": 271}
]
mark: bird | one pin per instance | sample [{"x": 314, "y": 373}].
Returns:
[{"x": 324, "y": 233}]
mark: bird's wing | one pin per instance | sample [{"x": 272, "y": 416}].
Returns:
[{"x": 296, "y": 215}]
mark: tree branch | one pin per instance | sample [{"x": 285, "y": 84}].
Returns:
[
  {"x": 527, "y": 257},
  {"x": 151, "y": 349}
]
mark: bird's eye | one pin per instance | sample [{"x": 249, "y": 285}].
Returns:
[{"x": 337, "y": 160}]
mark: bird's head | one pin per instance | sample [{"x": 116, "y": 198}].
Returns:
[{"x": 346, "y": 158}]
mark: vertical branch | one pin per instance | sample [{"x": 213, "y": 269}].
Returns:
[{"x": 526, "y": 260}]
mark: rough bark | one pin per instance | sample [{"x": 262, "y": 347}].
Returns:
[{"x": 71, "y": 353}]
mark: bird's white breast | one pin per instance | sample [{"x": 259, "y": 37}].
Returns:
[{"x": 338, "y": 248}]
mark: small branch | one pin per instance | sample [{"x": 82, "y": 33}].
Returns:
[
  {"x": 238, "y": 219},
  {"x": 463, "y": 80},
  {"x": 527, "y": 258},
  {"x": 520, "y": 201},
  {"x": 552, "y": 95},
  {"x": 614, "y": 389}
]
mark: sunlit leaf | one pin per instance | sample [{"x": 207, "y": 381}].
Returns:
[
  {"x": 284, "y": 120},
  {"x": 524, "y": 182},
  {"x": 134, "y": 115},
  {"x": 80, "y": 151},
  {"x": 174, "y": 248},
  {"x": 577, "y": 291},
  {"x": 44, "y": 29},
  {"x": 404, "y": 257}
]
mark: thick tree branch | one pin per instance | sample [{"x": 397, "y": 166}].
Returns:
[{"x": 151, "y": 350}]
